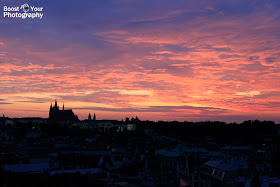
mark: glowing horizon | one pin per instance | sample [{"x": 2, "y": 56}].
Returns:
[{"x": 159, "y": 60}]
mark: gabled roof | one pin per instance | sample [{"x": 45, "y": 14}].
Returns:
[
  {"x": 27, "y": 168},
  {"x": 229, "y": 147},
  {"x": 169, "y": 153},
  {"x": 227, "y": 164},
  {"x": 190, "y": 149}
]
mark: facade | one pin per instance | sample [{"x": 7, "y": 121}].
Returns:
[
  {"x": 184, "y": 161},
  {"x": 99, "y": 125},
  {"x": 30, "y": 120}
]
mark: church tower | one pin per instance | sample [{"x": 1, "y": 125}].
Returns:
[
  {"x": 50, "y": 113},
  {"x": 89, "y": 116},
  {"x": 56, "y": 107},
  {"x": 94, "y": 117}
]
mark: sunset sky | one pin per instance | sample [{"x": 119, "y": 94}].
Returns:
[{"x": 184, "y": 60}]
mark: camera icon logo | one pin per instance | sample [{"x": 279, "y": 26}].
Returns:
[{"x": 25, "y": 7}]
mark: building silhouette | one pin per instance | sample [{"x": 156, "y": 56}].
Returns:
[
  {"x": 56, "y": 114},
  {"x": 89, "y": 117}
]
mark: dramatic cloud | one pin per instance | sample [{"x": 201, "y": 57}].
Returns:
[{"x": 190, "y": 60}]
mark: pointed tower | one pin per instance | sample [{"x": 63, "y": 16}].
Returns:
[
  {"x": 56, "y": 107},
  {"x": 63, "y": 105},
  {"x": 94, "y": 117},
  {"x": 89, "y": 116},
  {"x": 50, "y": 113}
]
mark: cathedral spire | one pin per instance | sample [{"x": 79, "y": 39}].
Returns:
[
  {"x": 94, "y": 117},
  {"x": 63, "y": 105},
  {"x": 89, "y": 116}
]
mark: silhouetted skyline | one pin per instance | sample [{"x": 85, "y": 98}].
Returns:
[{"x": 158, "y": 60}]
